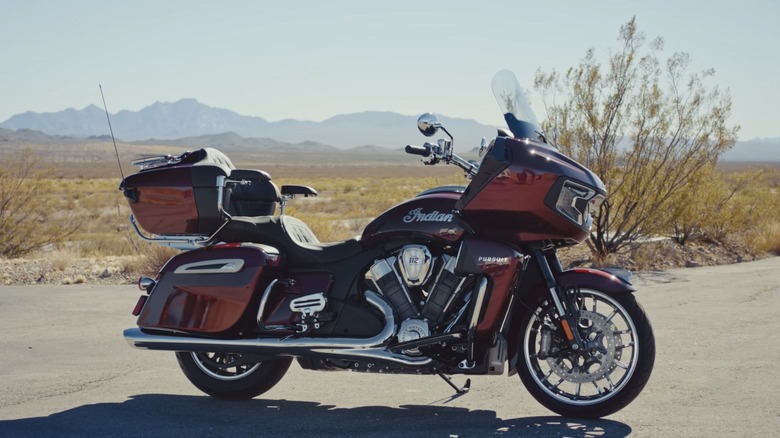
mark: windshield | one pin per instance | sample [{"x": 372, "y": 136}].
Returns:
[{"x": 517, "y": 112}]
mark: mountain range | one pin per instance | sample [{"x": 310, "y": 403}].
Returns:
[
  {"x": 190, "y": 118},
  {"x": 190, "y": 123}
]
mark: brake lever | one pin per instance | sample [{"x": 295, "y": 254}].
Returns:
[{"x": 433, "y": 160}]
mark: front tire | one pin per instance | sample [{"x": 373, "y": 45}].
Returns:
[
  {"x": 226, "y": 376},
  {"x": 604, "y": 378}
]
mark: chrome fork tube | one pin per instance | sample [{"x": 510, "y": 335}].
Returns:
[
  {"x": 567, "y": 318},
  {"x": 479, "y": 301}
]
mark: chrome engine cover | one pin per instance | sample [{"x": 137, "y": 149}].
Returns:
[
  {"x": 414, "y": 263},
  {"x": 413, "y": 329}
]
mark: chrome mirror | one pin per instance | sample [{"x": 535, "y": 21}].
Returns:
[
  {"x": 428, "y": 124},
  {"x": 483, "y": 145}
]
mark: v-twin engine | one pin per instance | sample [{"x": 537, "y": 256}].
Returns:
[{"x": 420, "y": 288}]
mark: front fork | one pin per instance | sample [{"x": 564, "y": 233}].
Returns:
[{"x": 550, "y": 266}]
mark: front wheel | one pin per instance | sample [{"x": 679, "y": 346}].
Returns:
[
  {"x": 600, "y": 379},
  {"x": 230, "y": 376}
]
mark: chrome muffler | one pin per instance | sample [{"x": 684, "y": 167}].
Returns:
[{"x": 341, "y": 348}]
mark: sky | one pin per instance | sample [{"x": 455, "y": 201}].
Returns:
[{"x": 310, "y": 60}]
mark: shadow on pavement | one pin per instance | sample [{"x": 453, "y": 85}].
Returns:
[
  {"x": 192, "y": 416},
  {"x": 659, "y": 277}
]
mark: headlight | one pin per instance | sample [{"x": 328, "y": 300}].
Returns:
[{"x": 578, "y": 202}]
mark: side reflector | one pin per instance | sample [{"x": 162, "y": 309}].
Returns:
[
  {"x": 140, "y": 305},
  {"x": 567, "y": 330}
]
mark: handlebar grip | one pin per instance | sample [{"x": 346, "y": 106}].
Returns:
[{"x": 424, "y": 151}]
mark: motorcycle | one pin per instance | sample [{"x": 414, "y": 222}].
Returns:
[{"x": 457, "y": 280}]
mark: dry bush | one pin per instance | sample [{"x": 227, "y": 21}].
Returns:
[
  {"x": 646, "y": 126},
  {"x": 734, "y": 208},
  {"x": 60, "y": 260},
  {"x": 772, "y": 238},
  {"x": 27, "y": 221},
  {"x": 153, "y": 258}
]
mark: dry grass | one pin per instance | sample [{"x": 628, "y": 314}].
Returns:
[
  {"x": 344, "y": 206},
  {"x": 151, "y": 261},
  {"x": 61, "y": 260},
  {"x": 766, "y": 238}
]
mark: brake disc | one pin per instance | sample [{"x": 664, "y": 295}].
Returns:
[{"x": 598, "y": 358}]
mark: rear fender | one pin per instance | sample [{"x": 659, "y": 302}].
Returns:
[{"x": 604, "y": 280}]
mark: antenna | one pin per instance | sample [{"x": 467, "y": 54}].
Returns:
[{"x": 112, "y": 132}]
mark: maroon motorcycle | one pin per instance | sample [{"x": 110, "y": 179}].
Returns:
[{"x": 458, "y": 280}]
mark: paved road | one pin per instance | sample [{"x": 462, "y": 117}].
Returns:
[{"x": 65, "y": 370}]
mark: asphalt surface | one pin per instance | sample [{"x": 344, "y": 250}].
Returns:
[{"x": 65, "y": 370}]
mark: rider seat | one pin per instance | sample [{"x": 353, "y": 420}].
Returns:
[{"x": 291, "y": 236}]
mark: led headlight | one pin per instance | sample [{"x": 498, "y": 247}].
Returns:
[{"x": 578, "y": 202}]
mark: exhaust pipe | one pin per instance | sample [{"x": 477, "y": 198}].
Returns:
[{"x": 342, "y": 348}]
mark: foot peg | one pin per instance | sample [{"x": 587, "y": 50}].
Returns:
[{"x": 460, "y": 391}]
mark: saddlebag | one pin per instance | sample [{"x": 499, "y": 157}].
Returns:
[{"x": 208, "y": 290}]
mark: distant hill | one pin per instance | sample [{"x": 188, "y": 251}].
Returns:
[
  {"x": 188, "y": 118},
  {"x": 765, "y": 149},
  {"x": 232, "y": 141},
  {"x": 191, "y": 124}
]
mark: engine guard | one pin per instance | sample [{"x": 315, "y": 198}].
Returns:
[{"x": 608, "y": 280}]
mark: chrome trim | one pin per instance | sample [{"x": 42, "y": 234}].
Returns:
[
  {"x": 176, "y": 241},
  {"x": 156, "y": 161},
  {"x": 261, "y": 310},
  {"x": 309, "y": 304},
  {"x": 380, "y": 269},
  {"x": 229, "y": 266},
  {"x": 146, "y": 283},
  {"x": 478, "y": 302},
  {"x": 346, "y": 348},
  {"x": 221, "y": 180},
  {"x": 509, "y": 310},
  {"x": 183, "y": 242},
  {"x": 415, "y": 274}
]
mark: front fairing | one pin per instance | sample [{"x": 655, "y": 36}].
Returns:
[{"x": 509, "y": 197}]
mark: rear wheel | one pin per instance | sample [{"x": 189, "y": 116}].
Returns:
[
  {"x": 600, "y": 379},
  {"x": 231, "y": 376}
]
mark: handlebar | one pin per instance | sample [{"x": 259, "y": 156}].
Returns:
[
  {"x": 424, "y": 151},
  {"x": 437, "y": 154}
]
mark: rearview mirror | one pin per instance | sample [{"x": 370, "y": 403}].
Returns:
[{"x": 428, "y": 124}]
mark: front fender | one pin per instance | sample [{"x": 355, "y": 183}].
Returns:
[{"x": 603, "y": 280}]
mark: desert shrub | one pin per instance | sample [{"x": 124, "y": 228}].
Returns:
[
  {"x": 736, "y": 208},
  {"x": 27, "y": 222},
  {"x": 151, "y": 260},
  {"x": 646, "y": 126}
]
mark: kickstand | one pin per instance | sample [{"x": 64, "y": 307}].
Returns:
[{"x": 460, "y": 391}]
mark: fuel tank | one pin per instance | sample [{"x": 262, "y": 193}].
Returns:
[{"x": 426, "y": 217}]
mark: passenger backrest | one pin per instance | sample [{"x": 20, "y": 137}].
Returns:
[{"x": 257, "y": 198}]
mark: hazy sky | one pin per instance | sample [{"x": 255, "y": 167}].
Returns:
[{"x": 311, "y": 60}]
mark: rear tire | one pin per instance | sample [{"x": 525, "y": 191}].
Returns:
[
  {"x": 222, "y": 376},
  {"x": 601, "y": 380}
]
